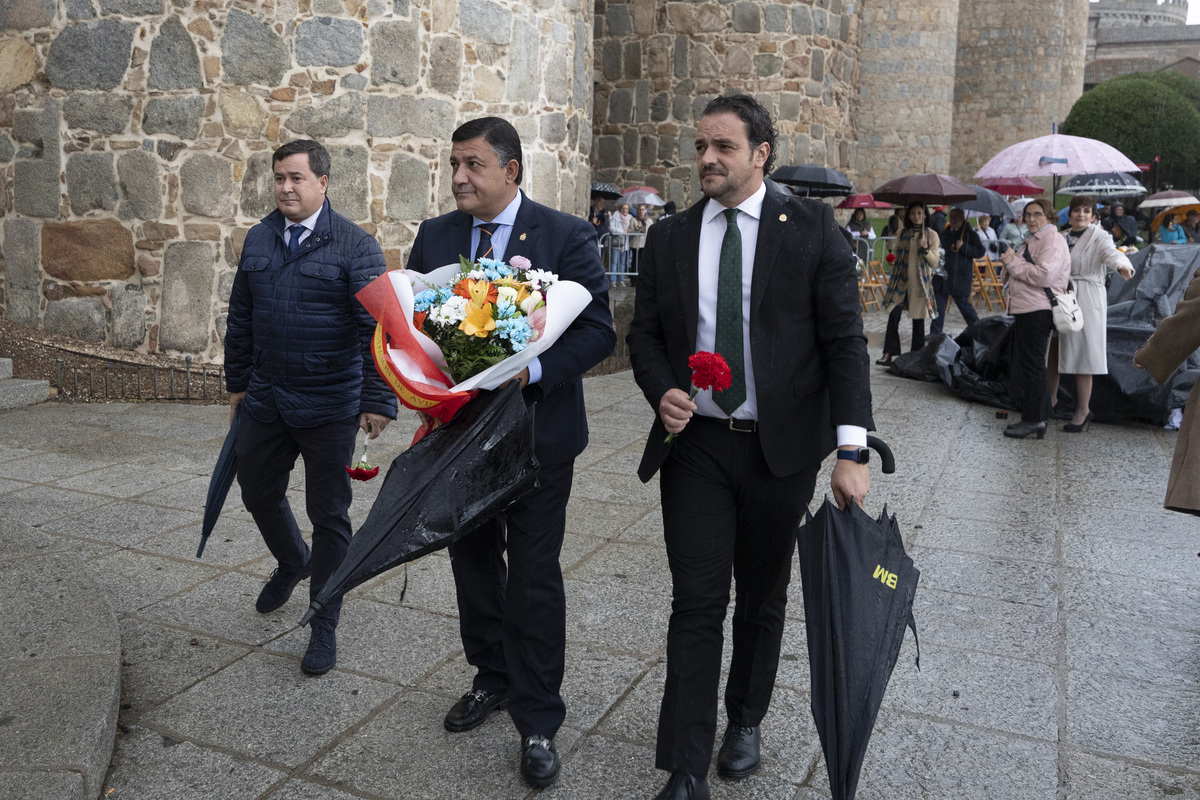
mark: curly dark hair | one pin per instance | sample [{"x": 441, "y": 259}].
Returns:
[{"x": 759, "y": 125}]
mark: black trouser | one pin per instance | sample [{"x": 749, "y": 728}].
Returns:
[
  {"x": 1031, "y": 335},
  {"x": 724, "y": 514},
  {"x": 513, "y": 617},
  {"x": 266, "y": 454},
  {"x": 891, "y": 339},
  {"x": 964, "y": 307}
]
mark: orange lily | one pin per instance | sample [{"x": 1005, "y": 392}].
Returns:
[
  {"x": 478, "y": 320},
  {"x": 477, "y": 292}
]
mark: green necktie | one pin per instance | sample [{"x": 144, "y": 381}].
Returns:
[{"x": 729, "y": 314}]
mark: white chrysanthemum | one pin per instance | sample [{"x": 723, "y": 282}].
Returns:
[
  {"x": 476, "y": 275},
  {"x": 452, "y": 312},
  {"x": 540, "y": 278}
]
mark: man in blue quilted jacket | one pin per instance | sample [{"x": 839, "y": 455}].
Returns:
[{"x": 298, "y": 362}]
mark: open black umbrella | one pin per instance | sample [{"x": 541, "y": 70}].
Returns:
[
  {"x": 813, "y": 180},
  {"x": 987, "y": 202},
  {"x": 1104, "y": 184},
  {"x": 453, "y": 480},
  {"x": 928, "y": 187},
  {"x": 605, "y": 190},
  {"x": 218, "y": 485},
  {"x": 858, "y": 588}
]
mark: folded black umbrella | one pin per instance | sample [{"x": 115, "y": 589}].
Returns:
[
  {"x": 858, "y": 591},
  {"x": 218, "y": 485},
  {"x": 459, "y": 476}
]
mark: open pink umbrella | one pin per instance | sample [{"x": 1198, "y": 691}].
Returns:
[{"x": 1056, "y": 154}]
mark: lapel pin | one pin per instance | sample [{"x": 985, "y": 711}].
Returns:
[
  {"x": 783, "y": 217},
  {"x": 521, "y": 237}
]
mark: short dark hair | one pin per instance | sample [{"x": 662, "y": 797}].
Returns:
[
  {"x": 759, "y": 125},
  {"x": 500, "y": 135},
  {"x": 318, "y": 156},
  {"x": 1082, "y": 201},
  {"x": 908, "y": 208},
  {"x": 1045, "y": 205}
]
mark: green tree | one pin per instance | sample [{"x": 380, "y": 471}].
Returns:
[{"x": 1143, "y": 116}]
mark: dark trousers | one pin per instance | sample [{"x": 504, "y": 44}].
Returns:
[
  {"x": 724, "y": 515},
  {"x": 1031, "y": 336},
  {"x": 266, "y": 454},
  {"x": 513, "y": 617},
  {"x": 891, "y": 339},
  {"x": 964, "y": 307}
]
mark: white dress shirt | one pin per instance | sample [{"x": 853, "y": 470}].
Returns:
[{"x": 309, "y": 224}]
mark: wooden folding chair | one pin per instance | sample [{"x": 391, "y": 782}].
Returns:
[
  {"x": 987, "y": 283},
  {"x": 870, "y": 291}
]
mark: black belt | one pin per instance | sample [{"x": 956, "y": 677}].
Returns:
[{"x": 739, "y": 425}]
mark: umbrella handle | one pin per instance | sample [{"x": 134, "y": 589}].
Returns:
[
  {"x": 886, "y": 459},
  {"x": 313, "y": 608}
]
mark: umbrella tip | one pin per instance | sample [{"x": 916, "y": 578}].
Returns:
[
  {"x": 308, "y": 615},
  {"x": 200, "y": 549}
]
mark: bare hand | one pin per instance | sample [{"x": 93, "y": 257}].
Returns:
[
  {"x": 235, "y": 400},
  {"x": 675, "y": 409},
  {"x": 523, "y": 377},
  {"x": 849, "y": 481},
  {"x": 1125, "y": 272},
  {"x": 372, "y": 424}
]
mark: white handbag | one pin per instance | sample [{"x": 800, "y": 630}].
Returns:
[{"x": 1064, "y": 308}]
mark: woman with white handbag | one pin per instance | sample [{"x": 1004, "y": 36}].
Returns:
[{"x": 1084, "y": 353}]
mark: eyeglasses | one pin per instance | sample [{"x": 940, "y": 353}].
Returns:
[{"x": 1034, "y": 215}]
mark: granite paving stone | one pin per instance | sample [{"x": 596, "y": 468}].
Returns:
[
  {"x": 1152, "y": 722},
  {"x": 135, "y": 580},
  {"x": 1087, "y": 776},
  {"x": 430, "y": 586},
  {"x": 122, "y": 523},
  {"x": 41, "y": 604},
  {"x": 234, "y": 542},
  {"x": 39, "y": 504},
  {"x": 1130, "y": 649},
  {"x": 1143, "y": 600},
  {"x": 224, "y": 607},
  {"x": 158, "y": 662},
  {"x": 40, "y": 784}
]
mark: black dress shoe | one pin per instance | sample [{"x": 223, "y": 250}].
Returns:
[
  {"x": 684, "y": 786},
  {"x": 472, "y": 709},
  {"x": 321, "y": 655},
  {"x": 739, "y": 755},
  {"x": 539, "y": 761},
  {"x": 1026, "y": 429},
  {"x": 279, "y": 587}
]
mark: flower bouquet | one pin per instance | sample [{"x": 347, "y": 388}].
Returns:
[{"x": 445, "y": 335}]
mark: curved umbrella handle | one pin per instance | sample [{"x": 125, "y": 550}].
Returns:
[{"x": 886, "y": 459}]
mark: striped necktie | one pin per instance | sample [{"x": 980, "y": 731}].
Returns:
[{"x": 484, "y": 248}]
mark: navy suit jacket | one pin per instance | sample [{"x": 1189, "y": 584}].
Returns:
[
  {"x": 567, "y": 246},
  {"x": 811, "y": 370}
]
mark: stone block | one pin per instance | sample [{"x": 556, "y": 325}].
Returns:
[
  {"x": 354, "y": 81},
  {"x": 682, "y": 44},
  {"x": 90, "y": 183},
  {"x": 681, "y": 108},
  {"x": 620, "y": 107},
  {"x": 818, "y": 65},
  {"x": 789, "y": 106},
  {"x": 7, "y": 149},
  {"x": 36, "y": 188},
  {"x": 174, "y": 63},
  {"x": 648, "y": 151},
  {"x": 102, "y": 112},
  {"x": 206, "y": 184},
  {"x": 22, "y": 267},
  {"x": 618, "y": 21},
  {"x": 485, "y": 21},
  {"x": 258, "y": 187},
  {"x": 820, "y": 18},
  {"x": 687, "y": 146},
  {"x": 629, "y": 147},
  {"x": 631, "y": 60},
  {"x": 582, "y": 81},
  {"x": 775, "y": 18},
  {"x": 140, "y": 184},
  {"x": 445, "y": 65},
  {"x": 641, "y": 102},
  {"x": 408, "y": 188},
  {"x": 251, "y": 52},
  {"x": 18, "y": 63},
  {"x": 79, "y": 318},
  {"x": 131, "y": 8},
  {"x": 608, "y": 152},
  {"x": 348, "y": 191},
  {"x": 396, "y": 53},
  {"x": 767, "y": 64},
  {"x": 420, "y": 116},
  {"x": 87, "y": 250},
  {"x": 337, "y": 117},
  {"x": 329, "y": 42},
  {"x": 746, "y": 18},
  {"x": 225, "y": 287},
  {"x": 189, "y": 269},
  {"x": 241, "y": 113},
  {"x": 80, "y": 9},
  {"x": 660, "y": 107},
  {"x": 39, "y": 128},
  {"x": 21, "y": 15},
  {"x": 90, "y": 55},
  {"x": 802, "y": 20},
  {"x": 128, "y": 316},
  {"x": 553, "y": 128},
  {"x": 175, "y": 116},
  {"x": 611, "y": 60},
  {"x": 524, "y": 63}
]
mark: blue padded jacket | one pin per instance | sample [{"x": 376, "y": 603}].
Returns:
[{"x": 297, "y": 341}]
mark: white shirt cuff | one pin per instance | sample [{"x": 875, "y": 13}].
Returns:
[
  {"x": 535, "y": 375},
  {"x": 846, "y": 434}
]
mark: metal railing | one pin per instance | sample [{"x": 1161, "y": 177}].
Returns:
[
  {"x": 132, "y": 382},
  {"x": 620, "y": 257}
]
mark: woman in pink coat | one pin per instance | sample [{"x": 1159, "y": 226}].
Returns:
[{"x": 1042, "y": 261}]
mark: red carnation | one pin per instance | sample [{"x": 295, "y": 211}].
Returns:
[
  {"x": 709, "y": 371},
  {"x": 891, "y": 258},
  {"x": 362, "y": 471}
]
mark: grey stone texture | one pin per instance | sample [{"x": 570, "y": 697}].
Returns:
[
  {"x": 348, "y": 190},
  {"x": 189, "y": 269},
  {"x": 22, "y": 262},
  {"x": 79, "y": 318},
  {"x": 419, "y": 116},
  {"x": 20, "y": 15},
  {"x": 80, "y": 9},
  {"x": 485, "y": 21},
  {"x": 257, "y": 189},
  {"x": 7, "y": 150},
  {"x": 174, "y": 116},
  {"x": 90, "y": 182},
  {"x": 331, "y": 119},
  {"x": 132, "y": 8},
  {"x": 408, "y": 187},
  {"x": 90, "y": 55},
  {"x": 36, "y": 188},
  {"x": 251, "y": 52},
  {"x": 329, "y": 42},
  {"x": 140, "y": 184},
  {"x": 396, "y": 53},
  {"x": 128, "y": 316},
  {"x": 37, "y": 191},
  {"x": 206, "y": 184},
  {"x": 104, "y": 113},
  {"x": 174, "y": 63},
  {"x": 445, "y": 64},
  {"x": 524, "y": 63}
]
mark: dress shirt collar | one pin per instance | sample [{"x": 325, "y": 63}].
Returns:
[
  {"x": 752, "y": 205},
  {"x": 506, "y": 217}
]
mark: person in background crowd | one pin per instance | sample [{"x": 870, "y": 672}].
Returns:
[
  {"x": 1012, "y": 234},
  {"x": 937, "y": 220},
  {"x": 1124, "y": 227},
  {"x": 1042, "y": 262},
  {"x": 599, "y": 216},
  {"x": 1191, "y": 226},
  {"x": 916, "y": 256},
  {"x": 667, "y": 210},
  {"x": 1170, "y": 232},
  {"x": 618, "y": 226},
  {"x": 639, "y": 224},
  {"x": 987, "y": 235},
  {"x": 863, "y": 232},
  {"x": 962, "y": 246},
  {"x": 891, "y": 230},
  {"x": 1084, "y": 353}
]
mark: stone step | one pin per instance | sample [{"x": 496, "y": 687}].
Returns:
[
  {"x": 5, "y": 368},
  {"x": 18, "y": 393}
]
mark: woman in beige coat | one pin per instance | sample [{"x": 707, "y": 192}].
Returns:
[
  {"x": 1176, "y": 338},
  {"x": 1084, "y": 353},
  {"x": 916, "y": 256}
]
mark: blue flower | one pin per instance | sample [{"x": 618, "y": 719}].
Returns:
[
  {"x": 505, "y": 310},
  {"x": 425, "y": 299},
  {"x": 516, "y": 330}
]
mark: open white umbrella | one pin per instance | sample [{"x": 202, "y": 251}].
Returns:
[
  {"x": 1056, "y": 154},
  {"x": 1168, "y": 199}
]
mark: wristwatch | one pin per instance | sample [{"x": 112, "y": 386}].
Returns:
[{"x": 860, "y": 456}]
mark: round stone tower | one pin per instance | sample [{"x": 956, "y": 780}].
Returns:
[
  {"x": 136, "y": 138},
  {"x": 658, "y": 64}
]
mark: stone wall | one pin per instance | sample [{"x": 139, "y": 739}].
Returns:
[
  {"x": 1016, "y": 75},
  {"x": 135, "y": 137},
  {"x": 658, "y": 63},
  {"x": 908, "y": 73}
]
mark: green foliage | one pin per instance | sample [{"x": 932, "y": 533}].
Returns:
[{"x": 1143, "y": 116}]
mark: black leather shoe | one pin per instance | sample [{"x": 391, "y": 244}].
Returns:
[
  {"x": 279, "y": 587},
  {"x": 322, "y": 650},
  {"x": 539, "y": 761},
  {"x": 472, "y": 709},
  {"x": 683, "y": 786},
  {"x": 1026, "y": 429},
  {"x": 739, "y": 755}
]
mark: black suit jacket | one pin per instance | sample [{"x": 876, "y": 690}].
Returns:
[
  {"x": 811, "y": 370},
  {"x": 565, "y": 245}
]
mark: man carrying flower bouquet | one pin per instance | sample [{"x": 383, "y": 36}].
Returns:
[
  {"x": 298, "y": 362},
  {"x": 513, "y": 616},
  {"x": 767, "y": 283}
]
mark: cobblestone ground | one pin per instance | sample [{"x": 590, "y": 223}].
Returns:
[{"x": 1057, "y": 612}]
